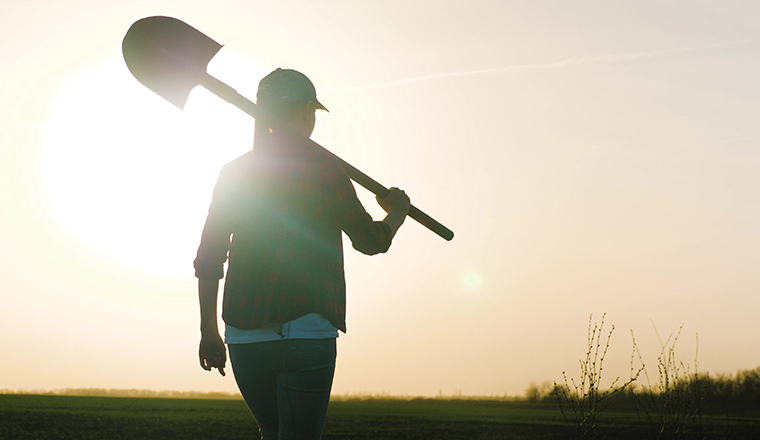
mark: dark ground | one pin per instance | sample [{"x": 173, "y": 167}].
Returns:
[{"x": 32, "y": 417}]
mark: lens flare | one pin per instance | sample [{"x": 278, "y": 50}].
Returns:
[{"x": 470, "y": 282}]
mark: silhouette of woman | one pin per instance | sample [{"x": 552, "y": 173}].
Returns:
[{"x": 276, "y": 216}]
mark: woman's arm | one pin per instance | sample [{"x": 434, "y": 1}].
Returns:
[{"x": 212, "y": 352}]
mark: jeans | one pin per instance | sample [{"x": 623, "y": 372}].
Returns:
[{"x": 286, "y": 385}]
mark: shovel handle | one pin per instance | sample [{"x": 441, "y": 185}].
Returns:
[
  {"x": 379, "y": 190},
  {"x": 231, "y": 95}
]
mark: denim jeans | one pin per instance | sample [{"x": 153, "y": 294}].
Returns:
[{"x": 286, "y": 385}]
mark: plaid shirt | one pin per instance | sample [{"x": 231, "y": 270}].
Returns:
[{"x": 284, "y": 206}]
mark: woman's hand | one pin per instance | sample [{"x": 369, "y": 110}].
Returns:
[
  {"x": 396, "y": 204},
  {"x": 396, "y": 200},
  {"x": 212, "y": 352}
]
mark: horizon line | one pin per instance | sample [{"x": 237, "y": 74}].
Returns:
[{"x": 223, "y": 395}]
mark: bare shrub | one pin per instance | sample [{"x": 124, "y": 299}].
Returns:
[
  {"x": 674, "y": 403},
  {"x": 583, "y": 401}
]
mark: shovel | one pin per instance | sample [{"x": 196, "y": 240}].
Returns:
[{"x": 170, "y": 57}]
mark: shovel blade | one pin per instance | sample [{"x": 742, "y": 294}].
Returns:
[{"x": 168, "y": 56}]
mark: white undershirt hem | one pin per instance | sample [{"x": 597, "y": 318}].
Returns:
[{"x": 310, "y": 326}]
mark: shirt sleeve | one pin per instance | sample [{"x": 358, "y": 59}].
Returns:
[
  {"x": 367, "y": 236},
  {"x": 215, "y": 239}
]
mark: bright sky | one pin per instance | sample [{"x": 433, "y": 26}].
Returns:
[{"x": 591, "y": 157}]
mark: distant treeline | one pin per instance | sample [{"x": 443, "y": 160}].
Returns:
[
  {"x": 745, "y": 386},
  {"x": 741, "y": 388},
  {"x": 456, "y": 396},
  {"x": 103, "y": 392}
]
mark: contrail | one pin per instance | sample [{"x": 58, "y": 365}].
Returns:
[{"x": 526, "y": 68}]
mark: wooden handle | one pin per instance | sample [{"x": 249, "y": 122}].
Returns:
[{"x": 379, "y": 190}]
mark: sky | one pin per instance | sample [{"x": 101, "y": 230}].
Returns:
[{"x": 592, "y": 158}]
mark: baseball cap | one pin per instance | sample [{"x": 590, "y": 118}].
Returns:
[{"x": 287, "y": 85}]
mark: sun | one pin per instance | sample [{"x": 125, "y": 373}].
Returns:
[{"x": 130, "y": 174}]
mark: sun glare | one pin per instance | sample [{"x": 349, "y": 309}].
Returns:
[{"x": 132, "y": 175}]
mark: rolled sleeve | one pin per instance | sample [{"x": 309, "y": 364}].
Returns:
[
  {"x": 367, "y": 236},
  {"x": 215, "y": 239}
]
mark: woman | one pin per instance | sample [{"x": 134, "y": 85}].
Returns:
[{"x": 285, "y": 205}]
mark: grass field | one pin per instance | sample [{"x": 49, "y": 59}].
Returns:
[{"x": 25, "y": 417}]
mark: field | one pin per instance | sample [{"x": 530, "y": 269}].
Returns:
[{"x": 27, "y": 417}]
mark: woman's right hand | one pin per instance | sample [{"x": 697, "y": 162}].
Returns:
[{"x": 212, "y": 352}]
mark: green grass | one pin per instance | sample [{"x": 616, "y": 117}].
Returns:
[
  {"x": 444, "y": 409},
  {"x": 25, "y": 417},
  {"x": 74, "y": 417}
]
